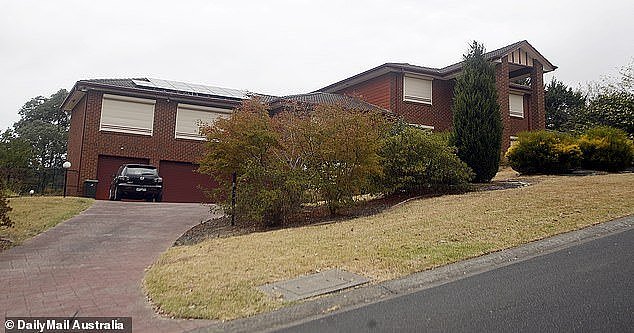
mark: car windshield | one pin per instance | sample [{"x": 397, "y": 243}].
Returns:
[{"x": 138, "y": 171}]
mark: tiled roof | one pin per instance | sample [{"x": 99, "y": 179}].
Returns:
[
  {"x": 488, "y": 56},
  {"x": 453, "y": 67},
  {"x": 314, "y": 98},
  {"x": 441, "y": 72},
  {"x": 123, "y": 83}
]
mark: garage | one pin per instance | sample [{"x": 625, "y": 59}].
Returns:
[
  {"x": 181, "y": 182},
  {"x": 107, "y": 166}
]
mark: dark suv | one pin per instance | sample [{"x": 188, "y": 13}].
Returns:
[{"x": 137, "y": 181}]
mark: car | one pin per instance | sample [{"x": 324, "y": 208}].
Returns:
[{"x": 136, "y": 181}]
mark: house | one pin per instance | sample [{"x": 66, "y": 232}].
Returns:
[
  {"x": 117, "y": 121},
  {"x": 423, "y": 95},
  {"x": 153, "y": 121}
]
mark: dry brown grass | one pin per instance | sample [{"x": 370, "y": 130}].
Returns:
[
  {"x": 217, "y": 278},
  {"x": 33, "y": 215}
]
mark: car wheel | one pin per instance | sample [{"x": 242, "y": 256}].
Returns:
[
  {"x": 149, "y": 199},
  {"x": 117, "y": 194},
  {"x": 159, "y": 198}
]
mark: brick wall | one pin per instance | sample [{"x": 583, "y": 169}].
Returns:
[
  {"x": 376, "y": 91},
  {"x": 502, "y": 85},
  {"x": 438, "y": 114},
  {"x": 387, "y": 91},
  {"x": 160, "y": 146},
  {"x": 516, "y": 124},
  {"x": 75, "y": 137},
  {"x": 537, "y": 107}
]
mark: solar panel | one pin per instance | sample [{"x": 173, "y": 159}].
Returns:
[{"x": 192, "y": 88}]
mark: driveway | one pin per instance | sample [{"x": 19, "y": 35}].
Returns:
[{"x": 93, "y": 264}]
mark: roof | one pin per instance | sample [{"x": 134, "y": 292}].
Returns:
[
  {"x": 150, "y": 86},
  {"x": 444, "y": 72},
  {"x": 315, "y": 98}
]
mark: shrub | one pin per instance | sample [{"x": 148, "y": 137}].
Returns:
[
  {"x": 331, "y": 151},
  {"x": 606, "y": 148},
  {"x": 544, "y": 152},
  {"x": 417, "y": 161},
  {"x": 248, "y": 144},
  {"x": 477, "y": 123},
  {"x": 344, "y": 158}
]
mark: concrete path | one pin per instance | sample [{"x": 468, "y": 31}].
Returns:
[{"x": 93, "y": 264}]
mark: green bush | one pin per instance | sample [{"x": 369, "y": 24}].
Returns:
[
  {"x": 606, "y": 148},
  {"x": 279, "y": 161},
  {"x": 5, "y": 221},
  {"x": 417, "y": 161},
  {"x": 544, "y": 152}
]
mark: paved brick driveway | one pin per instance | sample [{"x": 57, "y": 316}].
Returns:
[{"x": 94, "y": 263}]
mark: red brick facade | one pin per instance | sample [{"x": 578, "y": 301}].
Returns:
[
  {"x": 387, "y": 91},
  {"x": 377, "y": 91},
  {"x": 86, "y": 142},
  {"x": 502, "y": 83}
]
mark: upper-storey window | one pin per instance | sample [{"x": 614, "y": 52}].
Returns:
[
  {"x": 190, "y": 118},
  {"x": 516, "y": 105},
  {"x": 127, "y": 114},
  {"x": 417, "y": 89}
]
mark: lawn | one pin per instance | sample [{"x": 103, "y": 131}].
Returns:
[
  {"x": 216, "y": 279},
  {"x": 33, "y": 215}
]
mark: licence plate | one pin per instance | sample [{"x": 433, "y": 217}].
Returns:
[{"x": 141, "y": 189}]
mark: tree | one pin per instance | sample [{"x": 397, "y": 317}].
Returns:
[
  {"x": 346, "y": 156},
  {"x": 15, "y": 153},
  {"x": 5, "y": 220},
  {"x": 244, "y": 143},
  {"x": 477, "y": 124},
  {"x": 564, "y": 107},
  {"x": 611, "y": 102},
  {"x": 15, "y": 160},
  {"x": 328, "y": 153},
  {"x": 44, "y": 126}
]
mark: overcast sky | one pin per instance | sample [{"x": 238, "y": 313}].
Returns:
[{"x": 288, "y": 47}]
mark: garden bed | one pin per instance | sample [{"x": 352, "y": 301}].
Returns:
[{"x": 316, "y": 215}]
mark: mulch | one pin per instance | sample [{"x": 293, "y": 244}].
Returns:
[{"x": 316, "y": 215}]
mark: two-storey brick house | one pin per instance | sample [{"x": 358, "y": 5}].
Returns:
[
  {"x": 151, "y": 121},
  {"x": 423, "y": 95}
]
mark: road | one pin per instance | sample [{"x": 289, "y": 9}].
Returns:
[{"x": 586, "y": 287}]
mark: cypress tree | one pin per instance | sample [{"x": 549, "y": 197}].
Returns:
[{"x": 477, "y": 124}]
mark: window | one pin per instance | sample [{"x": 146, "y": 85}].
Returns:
[
  {"x": 516, "y": 105},
  {"x": 417, "y": 89},
  {"x": 189, "y": 119},
  {"x": 514, "y": 140},
  {"x": 127, "y": 114}
]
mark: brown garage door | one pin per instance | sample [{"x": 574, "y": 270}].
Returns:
[
  {"x": 108, "y": 166},
  {"x": 181, "y": 182}
]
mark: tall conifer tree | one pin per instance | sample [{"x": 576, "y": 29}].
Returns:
[{"x": 477, "y": 124}]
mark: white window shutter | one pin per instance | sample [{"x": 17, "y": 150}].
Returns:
[
  {"x": 189, "y": 119},
  {"x": 127, "y": 114},
  {"x": 516, "y": 105},
  {"x": 417, "y": 89}
]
